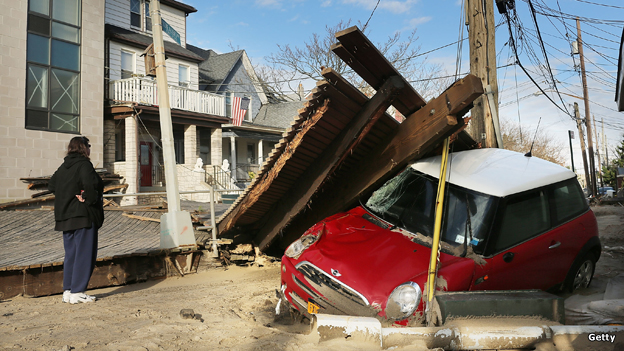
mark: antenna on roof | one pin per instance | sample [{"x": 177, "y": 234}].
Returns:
[{"x": 528, "y": 154}]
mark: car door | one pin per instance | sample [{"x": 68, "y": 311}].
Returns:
[{"x": 521, "y": 246}]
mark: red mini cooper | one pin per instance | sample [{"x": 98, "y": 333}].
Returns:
[{"x": 510, "y": 222}]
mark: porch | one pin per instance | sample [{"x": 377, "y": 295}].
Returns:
[{"x": 144, "y": 91}]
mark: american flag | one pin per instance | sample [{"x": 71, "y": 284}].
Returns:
[{"x": 239, "y": 109}]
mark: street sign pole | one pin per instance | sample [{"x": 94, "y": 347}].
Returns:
[{"x": 176, "y": 228}]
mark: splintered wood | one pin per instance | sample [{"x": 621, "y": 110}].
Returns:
[{"x": 343, "y": 145}]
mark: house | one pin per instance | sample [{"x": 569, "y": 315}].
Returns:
[
  {"x": 51, "y": 86},
  {"x": 85, "y": 71},
  {"x": 244, "y": 146}
]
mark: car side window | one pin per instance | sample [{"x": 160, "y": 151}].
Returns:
[
  {"x": 568, "y": 201},
  {"x": 524, "y": 216}
]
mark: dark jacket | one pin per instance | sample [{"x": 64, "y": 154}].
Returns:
[{"x": 74, "y": 175}]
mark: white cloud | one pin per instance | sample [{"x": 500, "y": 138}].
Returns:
[
  {"x": 269, "y": 3},
  {"x": 394, "y": 6},
  {"x": 326, "y": 3},
  {"x": 294, "y": 18}
]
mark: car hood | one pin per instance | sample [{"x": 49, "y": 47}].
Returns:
[{"x": 368, "y": 258}]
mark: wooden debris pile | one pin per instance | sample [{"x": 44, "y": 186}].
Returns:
[{"x": 111, "y": 183}]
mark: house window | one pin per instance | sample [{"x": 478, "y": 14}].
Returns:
[
  {"x": 247, "y": 116},
  {"x": 135, "y": 13},
  {"x": 140, "y": 15},
  {"x": 120, "y": 142},
  {"x": 205, "y": 139},
  {"x": 127, "y": 64},
  {"x": 178, "y": 145},
  {"x": 251, "y": 154},
  {"x": 228, "y": 104},
  {"x": 53, "y": 65},
  {"x": 183, "y": 76}
]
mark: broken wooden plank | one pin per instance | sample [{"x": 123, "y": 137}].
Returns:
[
  {"x": 318, "y": 172},
  {"x": 25, "y": 202},
  {"x": 367, "y": 61},
  {"x": 266, "y": 179},
  {"x": 410, "y": 140},
  {"x": 142, "y": 218}
]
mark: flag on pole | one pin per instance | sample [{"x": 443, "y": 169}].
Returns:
[{"x": 239, "y": 109}]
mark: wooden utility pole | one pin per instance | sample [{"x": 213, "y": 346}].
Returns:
[
  {"x": 598, "y": 151},
  {"x": 577, "y": 114},
  {"x": 484, "y": 126},
  {"x": 590, "y": 144},
  {"x": 176, "y": 228}
]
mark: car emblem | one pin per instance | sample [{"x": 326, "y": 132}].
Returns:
[{"x": 335, "y": 273}]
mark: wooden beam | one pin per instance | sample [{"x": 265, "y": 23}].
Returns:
[
  {"x": 367, "y": 61},
  {"x": 267, "y": 179},
  {"x": 413, "y": 138},
  {"x": 318, "y": 172}
]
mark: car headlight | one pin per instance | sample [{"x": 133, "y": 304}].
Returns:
[
  {"x": 310, "y": 237},
  {"x": 403, "y": 301}
]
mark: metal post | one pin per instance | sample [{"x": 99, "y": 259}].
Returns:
[
  {"x": 570, "y": 137},
  {"x": 176, "y": 228},
  {"x": 213, "y": 222}
]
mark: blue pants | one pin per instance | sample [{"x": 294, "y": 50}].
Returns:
[{"x": 80, "y": 255}]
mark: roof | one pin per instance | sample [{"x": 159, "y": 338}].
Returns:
[
  {"x": 215, "y": 67},
  {"x": 178, "y": 5},
  {"x": 142, "y": 41},
  {"x": 280, "y": 115},
  {"x": 496, "y": 172}
]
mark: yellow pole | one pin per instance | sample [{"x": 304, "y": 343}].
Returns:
[{"x": 438, "y": 222}]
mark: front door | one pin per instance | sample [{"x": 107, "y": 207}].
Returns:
[{"x": 146, "y": 163}]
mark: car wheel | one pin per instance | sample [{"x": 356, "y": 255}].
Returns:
[{"x": 581, "y": 273}]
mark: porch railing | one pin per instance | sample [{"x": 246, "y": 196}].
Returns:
[{"x": 144, "y": 91}]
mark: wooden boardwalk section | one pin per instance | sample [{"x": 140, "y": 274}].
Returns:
[{"x": 28, "y": 237}]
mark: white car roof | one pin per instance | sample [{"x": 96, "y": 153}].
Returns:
[{"x": 496, "y": 172}]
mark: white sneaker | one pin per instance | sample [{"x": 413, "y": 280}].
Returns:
[
  {"x": 80, "y": 297},
  {"x": 66, "y": 294}
]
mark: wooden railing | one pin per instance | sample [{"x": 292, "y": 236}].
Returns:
[{"x": 144, "y": 91}]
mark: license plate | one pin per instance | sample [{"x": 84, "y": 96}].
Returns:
[{"x": 312, "y": 308}]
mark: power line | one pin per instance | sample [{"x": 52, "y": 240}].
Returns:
[
  {"x": 605, "y": 5},
  {"x": 371, "y": 15}
]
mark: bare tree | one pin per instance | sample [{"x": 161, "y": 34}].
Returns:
[
  {"x": 292, "y": 64},
  {"x": 519, "y": 138}
]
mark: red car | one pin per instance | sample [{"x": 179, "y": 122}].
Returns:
[{"x": 510, "y": 222}]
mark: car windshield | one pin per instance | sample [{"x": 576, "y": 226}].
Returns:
[{"x": 408, "y": 201}]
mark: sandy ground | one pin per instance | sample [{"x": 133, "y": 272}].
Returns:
[{"x": 234, "y": 310}]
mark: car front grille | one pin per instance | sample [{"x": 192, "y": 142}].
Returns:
[{"x": 333, "y": 297}]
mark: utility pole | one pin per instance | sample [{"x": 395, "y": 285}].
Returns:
[
  {"x": 590, "y": 144},
  {"x": 577, "y": 114},
  {"x": 176, "y": 228},
  {"x": 484, "y": 127},
  {"x": 598, "y": 151},
  {"x": 570, "y": 137}
]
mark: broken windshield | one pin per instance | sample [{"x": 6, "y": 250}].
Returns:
[{"x": 408, "y": 201}]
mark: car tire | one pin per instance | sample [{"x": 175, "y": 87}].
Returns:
[{"x": 581, "y": 273}]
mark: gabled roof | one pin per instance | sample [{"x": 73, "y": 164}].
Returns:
[
  {"x": 178, "y": 5},
  {"x": 215, "y": 67},
  {"x": 280, "y": 115},
  {"x": 142, "y": 41}
]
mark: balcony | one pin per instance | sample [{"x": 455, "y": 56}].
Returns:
[{"x": 144, "y": 91}]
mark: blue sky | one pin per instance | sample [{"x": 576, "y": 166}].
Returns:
[{"x": 258, "y": 26}]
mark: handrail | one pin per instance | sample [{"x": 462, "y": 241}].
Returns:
[{"x": 144, "y": 91}]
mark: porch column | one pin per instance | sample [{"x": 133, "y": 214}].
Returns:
[
  {"x": 260, "y": 153},
  {"x": 216, "y": 147},
  {"x": 190, "y": 145},
  {"x": 233, "y": 148},
  {"x": 132, "y": 161}
]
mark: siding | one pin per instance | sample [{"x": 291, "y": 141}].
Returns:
[
  {"x": 171, "y": 63},
  {"x": 242, "y": 85},
  {"x": 118, "y": 13},
  {"x": 176, "y": 19}
]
